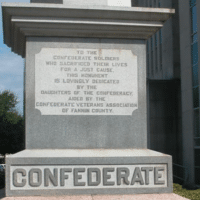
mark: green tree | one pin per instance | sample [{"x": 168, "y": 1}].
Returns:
[{"x": 11, "y": 124}]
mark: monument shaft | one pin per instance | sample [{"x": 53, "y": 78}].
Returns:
[{"x": 107, "y": 111}]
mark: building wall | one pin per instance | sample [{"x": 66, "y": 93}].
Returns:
[
  {"x": 164, "y": 86},
  {"x": 186, "y": 89},
  {"x": 197, "y": 119},
  {"x": 172, "y": 55},
  {"x": 163, "y": 111},
  {"x": 190, "y": 79}
]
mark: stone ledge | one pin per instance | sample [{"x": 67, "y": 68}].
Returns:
[
  {"x": 133, "y": 160},
  {"x": 43, "y": 153},
  {"x": 22, "y": 20},
  {"x": 170, "y": 196}
]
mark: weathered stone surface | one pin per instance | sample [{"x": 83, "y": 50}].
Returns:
[
  {"x": 81, "y": 21},
  {"x": 48, "y": 172},
  {"x": 98, "y": 128},
  {"x": 47, "y": 1},
  {"x": 87, "y": 2},
  {"x": 85, "y": 97},
  {"x": 170, "y": 196},
  {"x": 86, "y": 81}
]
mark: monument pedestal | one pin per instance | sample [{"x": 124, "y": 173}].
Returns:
[
  {"x": 99, "y": 171},
  {"x": 85, "y": 99}
]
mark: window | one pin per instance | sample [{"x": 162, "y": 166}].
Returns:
[
  {"x": 152, "y": 67},
  {"x": 148, "y": 57},
  {"x": 194, "y": 19},
  {"x": 155, "y": 4},
  {"x": 195, "y": 85},
  {"x": 160, "y": 38},
  {"x": 194, "y": 55},
  {"x": 197, "y": 165},
  {"x": 152, "y": 44},
  {"x": 192, "y": 3},
  {"x": 196, "y": 97},
  {"x": 156, "y": 52},
  {"x": 150, "y": 5},
  {"x": 147, "y": 46},
  {"x": 159, "y": 3},
  {"x": 156, "y": 40},
  {"x": 196, "y": 126}
]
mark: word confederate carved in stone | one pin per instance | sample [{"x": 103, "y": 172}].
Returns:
[{"x": 85, "y": 177}]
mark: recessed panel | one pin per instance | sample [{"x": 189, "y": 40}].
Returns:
[
  {"x": 86, "y": 81},
  {"x": 88, "y": 177}
]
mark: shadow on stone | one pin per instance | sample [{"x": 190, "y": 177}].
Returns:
[{"x": 2, "y": 193}]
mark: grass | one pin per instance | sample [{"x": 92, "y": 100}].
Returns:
[{"x": 189, "y": 194}]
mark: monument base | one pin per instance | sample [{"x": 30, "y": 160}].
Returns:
[
  {"x": 99, "y": 171},
  {"x": 105, "y": 197}
]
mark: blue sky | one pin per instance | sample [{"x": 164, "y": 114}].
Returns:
[{"x": 11, "y": 66}]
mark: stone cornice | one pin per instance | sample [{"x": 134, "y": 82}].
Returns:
[{"x": 55, "y": 20}]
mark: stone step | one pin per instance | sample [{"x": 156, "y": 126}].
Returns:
[{"x": 170, "y": 196}]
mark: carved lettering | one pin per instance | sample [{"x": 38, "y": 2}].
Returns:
[
  {"x": 158, "y": 175},
  {"x": 107, "y": 176},
  {"x": 123, "y": 174},
  {"x": 78, "y": 176},
  {"x": 86, "y": 75},
  {"x": 88, "y": 176},
  {"x": 16, "y": 173},
  {"x": 147, "y": 171},
  {"x": 97, "y": 172},
  {"x": 38, "y": 181},
  {"x": 50, "y": 177},
  {"x": 137, "y": 177},
  {"x": 63, "y": 176}
]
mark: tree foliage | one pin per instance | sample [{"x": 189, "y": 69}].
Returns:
[{"x": 11, "y": 124}]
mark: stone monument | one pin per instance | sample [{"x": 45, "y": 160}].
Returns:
[{"x": 85, "y": 98}]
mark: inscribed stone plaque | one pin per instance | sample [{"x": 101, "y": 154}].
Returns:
[{"x": 86, "y": 81}]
